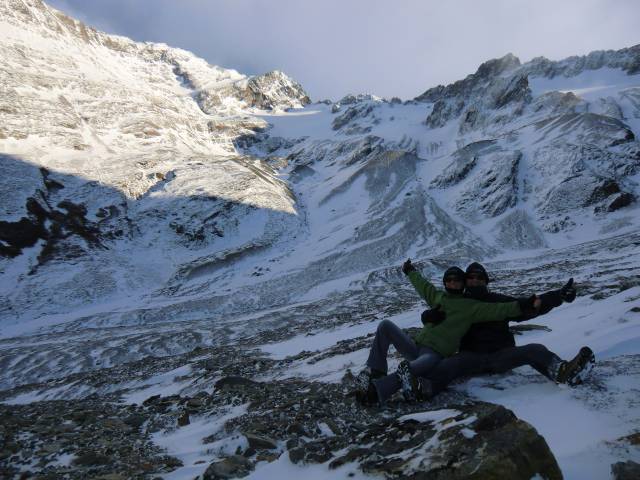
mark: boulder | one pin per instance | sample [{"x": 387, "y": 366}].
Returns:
[
  {"x": 479, "y": 441},
  {"x": 235, "y": 466},
  {"x": 628, "y": 470}
]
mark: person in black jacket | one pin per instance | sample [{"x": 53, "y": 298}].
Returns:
[{"x": 490, "y": 347}]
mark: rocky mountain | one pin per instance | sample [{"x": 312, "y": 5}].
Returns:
[{"x": 173, "y": 228}]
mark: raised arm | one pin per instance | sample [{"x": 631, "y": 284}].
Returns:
[{"x": 424, "y": 288}]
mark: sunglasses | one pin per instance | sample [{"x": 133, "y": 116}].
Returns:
[
  {"x": 454, "y": 279},
  {"x": 475, "y": 276}
]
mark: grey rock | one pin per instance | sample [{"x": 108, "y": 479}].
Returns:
[
  {"x": 91, "y": 458},
  {"x": 183, "y": 419},
  {"x": 628, "y": 470},
  {"x": 235, "y": 466},
  {"x": 275, "y": 89},
  {"x": 134, "y": 420},
  {"x": 621, "y": 200},
  {"x": 51, "y": 448},
  {"x": 258, "y": 442},
  {"x": 296, "y": 428},
  {"x": 234, "y": 381},
  {"x": 296, "y": 455}
]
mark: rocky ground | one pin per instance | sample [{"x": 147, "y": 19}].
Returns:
[
  {"x": 254, "y": 418},
  {"x": 125, "y": 420}
]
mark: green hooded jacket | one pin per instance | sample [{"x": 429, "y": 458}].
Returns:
[{"x": 460, "y": 312}]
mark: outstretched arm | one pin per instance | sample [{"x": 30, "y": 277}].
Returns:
[
  {"x": 491, "y": 312},
  {"x": 550, "y": 300},
  {"x": 424, "y": 288},
  {"x": 532, "y": 309}
]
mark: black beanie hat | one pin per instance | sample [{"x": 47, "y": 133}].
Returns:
[
  {"x": 475, "y": 267},
  {"x": 453, "y": 272}
]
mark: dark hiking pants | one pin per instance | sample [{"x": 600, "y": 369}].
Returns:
[
  {"x": 421, "y": 359},
  {"x": 470, "y": 363}
]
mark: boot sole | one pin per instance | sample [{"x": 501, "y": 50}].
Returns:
[{"x": 585, "y": 371}]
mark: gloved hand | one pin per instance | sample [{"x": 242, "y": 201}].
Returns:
[
  {"x": 528, "y": 305},
  {"x": 568, "y": 292},
  {"x": 408, "y": 267},
  {"x": 435, "y": 316}
]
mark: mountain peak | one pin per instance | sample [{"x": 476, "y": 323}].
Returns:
[{"x": 498, "y": 66}]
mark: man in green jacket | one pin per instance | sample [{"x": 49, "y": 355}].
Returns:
[{"x": 434, "y": 342}]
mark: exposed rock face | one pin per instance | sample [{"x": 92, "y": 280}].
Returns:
[
  {"x": 465, "y": 88},
  {"x": 464, "y": 160},
  {"x": 627, "y": 59},
  {"x": 354, "y": 112},
  {"x": 275, "y": 89},
  {"x": 472, "y": 99},
  {"x": 493, "y": 188}
]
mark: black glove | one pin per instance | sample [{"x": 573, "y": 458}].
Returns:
[
  {"x": 434, "y": 316},
  {"x": 526, "y": 304},
  {"x": 568, "y": 292},
  {"x": 408, "y": 267}
]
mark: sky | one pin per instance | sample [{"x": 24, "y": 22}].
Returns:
[{"x": 386, "y": 48}]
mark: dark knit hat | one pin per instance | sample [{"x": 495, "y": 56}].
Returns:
[
  {"x": 455, "y": 272},
  {"x": 475, "y": 267}
]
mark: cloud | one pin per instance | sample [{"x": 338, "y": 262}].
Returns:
[{"x": 386, "y": 48}]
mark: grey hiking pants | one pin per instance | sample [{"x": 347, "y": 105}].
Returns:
[
  {"x": 470, "y": 363},
  {"x": 421, "y": 359}
]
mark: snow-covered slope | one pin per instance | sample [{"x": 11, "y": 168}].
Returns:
[
  {"x": 122, "y": 147},
  {"x": 152, "y": 204}
]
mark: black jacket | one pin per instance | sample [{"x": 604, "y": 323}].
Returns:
[{"x": 489, "y": 337}]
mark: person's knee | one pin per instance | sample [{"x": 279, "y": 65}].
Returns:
[{"x": 385, "y": 326}]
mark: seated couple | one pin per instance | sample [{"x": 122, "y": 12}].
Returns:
[{"x": 466, "y": 332}]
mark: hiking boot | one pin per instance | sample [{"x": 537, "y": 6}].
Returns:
[
  {"x": 576, "y": 370},
  {"x": 408, "y": 382},
  {"x": 368, "y": 397},
  {"x": 363, "y": 379}
]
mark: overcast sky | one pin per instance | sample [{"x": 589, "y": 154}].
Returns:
[{"x": 387, "y": 48}]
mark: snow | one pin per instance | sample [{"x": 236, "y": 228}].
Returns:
[
  {"x": 589, "y": 85},
  {"x": 164, "y": 384},
  {"x": 468, "y": 433},
  {"x": 328, "y": 338},
  {"x": 186, "y": 443},
  {"x": 284, "y": 468},
  {"x": 63, "y": 460},
  {"x": 313, "y": 121},
  {"x": 432, "y": 416},
  {"x": 325, "y": 430},
  {"x": 603, "y": 325},
  {"x": 578, "y": 441}
]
